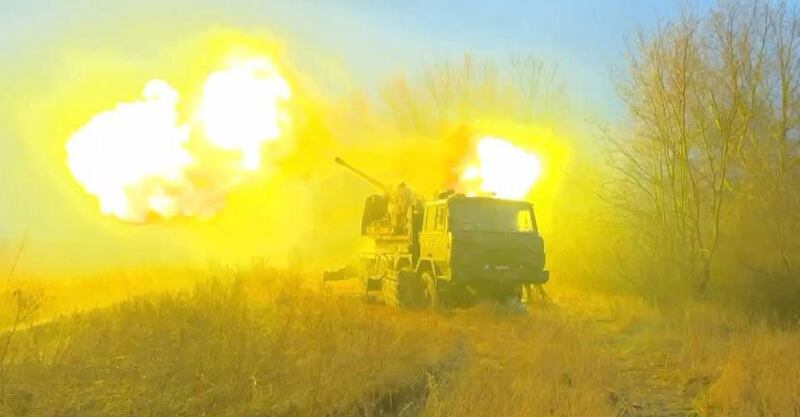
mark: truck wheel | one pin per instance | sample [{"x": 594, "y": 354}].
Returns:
[
  {"x": 517, "y": 293},
  {"x": 508, "y": 295},
  {"x": 430, "y": 295},
  {"x": 407, "y": 289}
]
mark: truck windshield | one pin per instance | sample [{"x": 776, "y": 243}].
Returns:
[{"x": 491, "y": 216}]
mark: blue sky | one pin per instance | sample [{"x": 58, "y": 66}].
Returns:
[{"x": 371, "y": 40}]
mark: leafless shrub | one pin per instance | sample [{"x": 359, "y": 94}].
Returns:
[
  {"x": 25, "y": 303},
  {"x": 705, "y": 185}
]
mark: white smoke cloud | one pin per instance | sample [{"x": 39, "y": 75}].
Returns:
[
  {"x": 501, "y": 169},
  {"x": 135, "y": 158}
]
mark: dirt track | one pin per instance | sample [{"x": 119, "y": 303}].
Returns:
[
  {"x": 647, "y": 383},
  {"x": 643, "y": 359}
]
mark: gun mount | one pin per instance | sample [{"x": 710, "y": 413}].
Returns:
[{"x": 389, "y": 215}]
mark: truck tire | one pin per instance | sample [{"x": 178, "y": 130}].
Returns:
[
  {"x": 511, "y": 294},
  {"x": 407, "y": 289},
  {"x": 430, "y": 294}
]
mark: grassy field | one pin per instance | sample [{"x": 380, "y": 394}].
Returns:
[{"x": 265, "y": 342}]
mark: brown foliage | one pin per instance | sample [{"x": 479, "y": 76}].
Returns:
[{"x": 706, "y": 185}]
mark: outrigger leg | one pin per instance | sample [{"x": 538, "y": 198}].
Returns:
[{"x": 539, "y": 288}]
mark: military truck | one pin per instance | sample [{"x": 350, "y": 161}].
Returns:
[{"x": 451, "y": 251}]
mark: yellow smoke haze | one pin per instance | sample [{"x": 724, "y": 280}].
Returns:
[
  {"x": 223, "y": 150},
  {"x": 135, "y": 158},
  {"x": 67, "y": 228}
]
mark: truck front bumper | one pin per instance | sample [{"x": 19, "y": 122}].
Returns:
[
  {"x": 544, "y": 276},
  {"x": 495, "y": 277}
]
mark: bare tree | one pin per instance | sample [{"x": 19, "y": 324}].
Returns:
[
  {"x": 541, "y": 89},
  {"x": 25, "y": 303},
  {"x": 713, "y": 105}
]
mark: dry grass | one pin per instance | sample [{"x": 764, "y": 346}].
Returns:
[
  {"x": 521, "y": 365},
  {"x": 698, "y": 358},
  {"x": 746, "y": 367},
  {"x": 63, "y": 295},
  {"x": 262, "y": 342},
  {"x": 220, "y": 351}
]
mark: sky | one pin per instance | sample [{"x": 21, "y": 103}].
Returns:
[
  {"x": 345, "y": 46},
  {"x": 370, "y": 40}
]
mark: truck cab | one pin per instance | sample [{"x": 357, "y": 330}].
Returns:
[
  {"x": 484, "y": 246},
  {"x": 456, "y": 249}
]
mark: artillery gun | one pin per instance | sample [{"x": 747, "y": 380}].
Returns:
[
  {"x": 449, "y": 251},
  {"x": 387, "y": 215}
]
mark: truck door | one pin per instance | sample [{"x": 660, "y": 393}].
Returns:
[{"x": 434, "y": 238}]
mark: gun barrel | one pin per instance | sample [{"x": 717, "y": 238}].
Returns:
[{"x": 363, "y": 175}]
